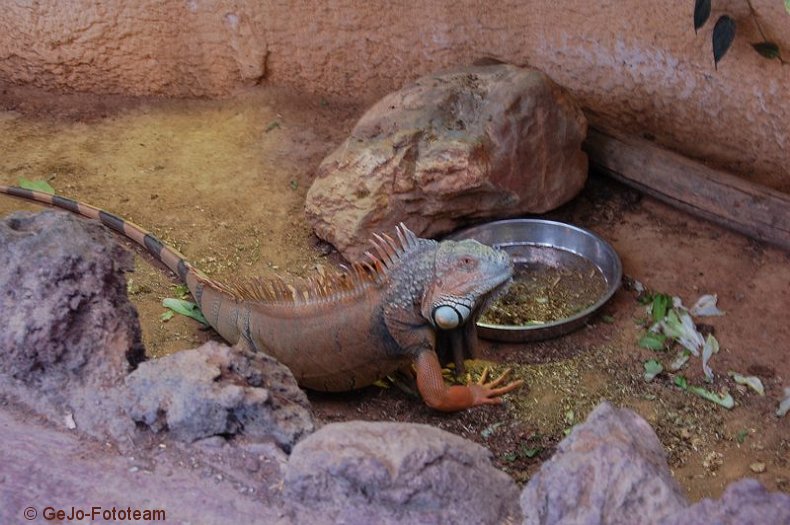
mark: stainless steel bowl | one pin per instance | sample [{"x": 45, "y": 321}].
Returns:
[{"x": 552, "y": 243}]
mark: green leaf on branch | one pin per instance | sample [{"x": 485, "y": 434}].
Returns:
[
  {"x": 701, "y": 13},
  {"x": 767, "y": 49},
  {"x": 723, "y": 36}
]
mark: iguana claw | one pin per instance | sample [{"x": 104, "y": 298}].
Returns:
[{"x": 450, "y": 399}]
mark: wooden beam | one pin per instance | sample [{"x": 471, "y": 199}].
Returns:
[{"x": 757, "y": 211}]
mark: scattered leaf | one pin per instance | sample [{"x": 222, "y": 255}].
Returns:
[
  {"x": 181, "y": 290},
  {"x": 569, "y": 417},
  {"x": 784, "y": 404},
  {"x": 490, "y": 429},
  {"x": 272, "y": 126},
  {"x": 740, "y": 437},
  {"x": 726, "y": 400},
  {"x": 36, "y": 185},
  {"x": 710, "y": 347},
  {"x": 701, "y": 13},
  {"x": 644, "y": 299},
  {"x": 706, "y": 306},
  {"x": 679, "y": 326},
  {"x": 608, "y": 319},
  {"x": 165, "y": 317},
  {"x": 652, "y": 369},
  {"x": 530, "y": 452},
  {"x": 186, "y": 308},
  {"x": 381, "y": 383},
  {"x": 681, "y": 359},
  {"x": 767, "y": 49},
  {"x": 723, "y": 35},
  {"x": 752, "y": 382},
  {"x": 653, "y": 341},
  {"x": 677, "y": 302},
  {"x": 509, "y": 456},
  {"x": 659, "y": 306},
  {"x": 294, "y": 184}
]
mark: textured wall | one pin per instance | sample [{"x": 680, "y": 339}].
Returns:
[{"x": 636, "y": 64}]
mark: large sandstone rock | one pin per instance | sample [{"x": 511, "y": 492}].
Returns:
[
  {"x": 611, "y": 469},
  {"x": 394, "y": 473},
  {"x": 69, "y": 333},
  {"x": 475, "y": 143},
  {"x": 215, "y": 390}
]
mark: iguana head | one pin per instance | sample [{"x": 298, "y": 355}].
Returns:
[{"x": 466, "y": 275}]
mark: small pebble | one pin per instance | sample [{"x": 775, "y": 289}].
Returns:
[{"x": 757, "y": 467}]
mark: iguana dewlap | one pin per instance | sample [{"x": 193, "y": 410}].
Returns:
[{"x": 416, "y": 301}]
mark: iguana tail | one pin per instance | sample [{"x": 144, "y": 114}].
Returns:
[{"x": 210, "y": 296}]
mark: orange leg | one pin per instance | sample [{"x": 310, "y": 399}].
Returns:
[{"x": 438, "y": 395}]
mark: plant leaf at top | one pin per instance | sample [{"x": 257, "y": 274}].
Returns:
[
  {"x": 767, "y": 49},
  {"x": 701, "y": 13},
  {"x": 723, "y": 35}
]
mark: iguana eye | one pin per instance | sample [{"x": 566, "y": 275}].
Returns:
[{"x": 466, "y": 261}]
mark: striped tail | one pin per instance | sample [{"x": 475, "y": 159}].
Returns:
[
  {"x": 168, "y": 256},
  {"x": 211, "y": 297}
]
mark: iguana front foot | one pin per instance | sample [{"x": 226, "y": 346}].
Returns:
[{"x": 438, "y": 395}]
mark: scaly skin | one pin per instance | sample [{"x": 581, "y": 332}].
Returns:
[{"x": 416, "y": 302}]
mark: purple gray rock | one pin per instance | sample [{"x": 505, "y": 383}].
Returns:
[
  {"x": 744, "y": 501},
  {"x": 218, "y": 390},
  {"x": 69, "y": 332},
  {"x": 466, "y": 145},
  {"x": 394, "y": 473},
  {"x": 611, "y": 469},
  {"x": 41, "y": 467}
]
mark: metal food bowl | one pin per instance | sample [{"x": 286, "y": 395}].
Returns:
[{"x": 553, "y": 244}]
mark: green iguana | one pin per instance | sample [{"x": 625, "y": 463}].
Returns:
[{"x": 415, "y": 302}]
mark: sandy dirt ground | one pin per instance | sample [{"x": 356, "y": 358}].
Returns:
[{"x": 225, "y": 181}]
